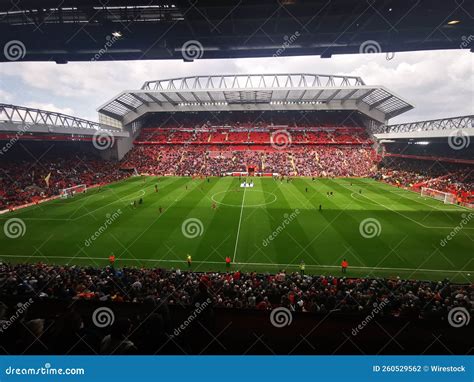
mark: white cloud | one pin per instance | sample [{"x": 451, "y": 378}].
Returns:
[
  {"x": 5, "y": 97},
  {"x": 49, "y": 107}
]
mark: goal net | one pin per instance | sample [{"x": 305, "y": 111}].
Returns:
[
  {"x": 69, "y": 192},
  {"x": 445, "y": 197}
]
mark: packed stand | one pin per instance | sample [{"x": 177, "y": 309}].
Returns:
[
  {"x": 234, "y": 289},
  {"x": 456, "y": 179},
  {"x": 232, "y": 135},
  {"x": 215, "y": 161},
  {"x": 28, "y": 181}
]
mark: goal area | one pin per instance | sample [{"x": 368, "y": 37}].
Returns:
[
  {"x": 445, "y": 197},
  {"x": 71, "y": 191}
]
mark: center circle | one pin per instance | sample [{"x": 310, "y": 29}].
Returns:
[{"x": 246, "y": 204}]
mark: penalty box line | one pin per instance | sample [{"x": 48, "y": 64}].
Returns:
[{"x": 403, "y": 215}]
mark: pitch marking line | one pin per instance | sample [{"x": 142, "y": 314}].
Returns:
[
  {"x": 404, "y": 192},
  {"x": 404, "y": 195},
  {"x": 258, "y": 264},
  {"x": 121, "y": 200},
  {"x": 158, "y": 218},
  {"x": 249, "y": 205},
  {"x": 406, "y": 217},
  {"x": 240, "y": 222},
  {"x": 355, "y": 195},
  {"x": 124, "y": 198}
]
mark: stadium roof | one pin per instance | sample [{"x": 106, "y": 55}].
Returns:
[
  {"x": 255, "y": 92},
  {"x": 434, "y": 128},
  {"x": 78, "y": 30},
  {"x": 14, "y": 118}
]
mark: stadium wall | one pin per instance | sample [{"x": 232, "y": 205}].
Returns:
[{"x": 121, "y": 146}]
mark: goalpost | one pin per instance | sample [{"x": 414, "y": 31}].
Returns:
[
  {"x": 445, "y": 197},
  {"x": 69, "y": 192}
]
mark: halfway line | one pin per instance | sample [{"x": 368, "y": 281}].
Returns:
[{"x": 238, "y": 229}]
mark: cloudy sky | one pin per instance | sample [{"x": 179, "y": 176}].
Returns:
[{"x": 438, "y": 83}]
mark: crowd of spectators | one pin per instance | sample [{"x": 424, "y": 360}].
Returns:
[
  {"x": 25, "y": 181},
  {"x": 233, "y": 289},
  {"x": 171, "y": 152},
  {"x": 236, "y": 135},
  {"x": 213, "y": 160},
  {"x": 456, "y": 179},
  {"x": 28, "y": 181},
  {"x": 334, "y": 161},
  {"x": 207, "y": 150}
]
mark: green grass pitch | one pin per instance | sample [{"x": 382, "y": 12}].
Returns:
[{"x": 379, "y": 229}]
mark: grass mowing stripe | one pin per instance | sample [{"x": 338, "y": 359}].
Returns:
[
  {"x": 125, "y": 231},
  {"x": 218, "y": 238},
  {"x": 238, "y": 228},
  {"x": 425, "y": 245},
  {"x": 357, "y": 248},
  {"x": 207, "y": 245},
  {"x": 263, "y": 209},
  {"x": 432, "y": 204},
  {"x": 416, "y": 196},
  {"x": 138, "y": 192},
  {"x": 63, "y": 209},
  {"x": 145, "y": 240},
  {"x": 154, "y": 235},
  {"x": 402, "y": 203},
  {"x": 303, "y": 226},
  {"x": 385, "y": 245}
]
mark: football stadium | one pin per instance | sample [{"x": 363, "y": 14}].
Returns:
[
  {"x": 236, "y": 213},
  {"x": 258, "y": 169}
]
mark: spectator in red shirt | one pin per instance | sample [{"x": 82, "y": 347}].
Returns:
[
  {"x": 344, "y": 265},
  {"x": 237, "y": 276},
  {"x": 112, "y": 260}
]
